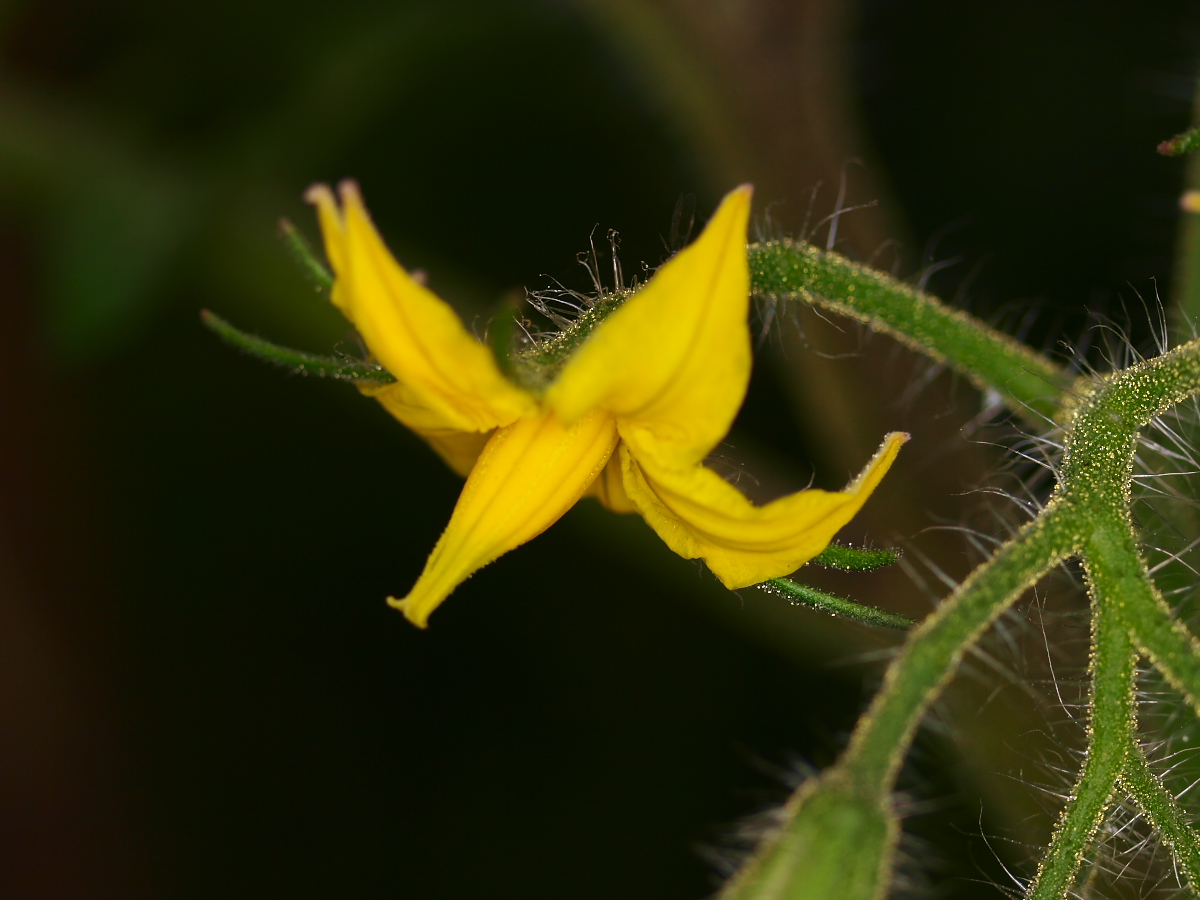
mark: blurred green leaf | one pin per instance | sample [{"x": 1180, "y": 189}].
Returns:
[{"x": 106, "y": 254}]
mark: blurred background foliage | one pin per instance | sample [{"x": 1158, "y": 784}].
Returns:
[{"x": 201, "y": 690}]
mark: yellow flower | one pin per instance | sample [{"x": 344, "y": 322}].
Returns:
[{"x": 629, "y": 418}]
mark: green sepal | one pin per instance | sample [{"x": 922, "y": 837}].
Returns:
[
  {"x": 834, "y": 605},
  {"x": 502, "y": 336},
  {"x": 1181, "y": 143},
  {"x": 856, "y": 559},
  {"x": 299, "y": 362},
  {"x": 302, "y": 252}
]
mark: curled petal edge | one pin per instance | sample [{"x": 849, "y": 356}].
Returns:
[{"x": 701, "y": 516}]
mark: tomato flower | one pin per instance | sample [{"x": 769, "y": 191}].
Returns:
[{"x": 627, "y": 417}]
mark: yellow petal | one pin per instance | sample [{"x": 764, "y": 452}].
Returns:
[
  {"x": 609, "y": 487},
  {"x": 673, "y": 362},
  {"x": 413, "y": 333},
  {"x": 459, "y": 449},
  {"x": 699, "y": 515},
  {"x": 527, "y": 477}
]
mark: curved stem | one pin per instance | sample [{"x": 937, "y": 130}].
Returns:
[
  {"x": 1109, "y": 730},
  {"x": 933, "y": 652},
  {"x": 1163, "y": 811},
  {"x": 1030, "y": 383},
  {"x": 1088, "y": 514},
  {"x": 1143, "y": 611}
]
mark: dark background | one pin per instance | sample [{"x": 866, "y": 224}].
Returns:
[{"x": 202, "y": 692}]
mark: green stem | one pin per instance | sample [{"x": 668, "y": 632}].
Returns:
[
  {"x": 933, "y": 652},
  {"x": 299, "y": 362},
  {"x": 1113, "y": 556},
  {"x": 1096, "y": 474},
  {"x": 1109, "y": 731},
  {"x": 854, "y": 559},
  {"x": 305, "y": 257},
  {"x": 1163, "y": 638},
  {"x": 834, "y": 605},
  {"x": 1088, "y": 515},
  {"x": 1127, "y": 606},
  {"x": 1163, "y": 811},
  {"x": 1030, "y": 383}
]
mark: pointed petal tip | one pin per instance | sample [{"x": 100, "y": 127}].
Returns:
[
  {"x": 418, "y": 617},
  {"x": 322, "y": 196},
  {"x": 737, "y": 199},
  {"x": 892, "y": 442},
  {"x": 349, "y": 191},
  {"x": 354, "y": 208},
  {"x": 319, "y": 194},
  {"x": 868, "y": 479}
]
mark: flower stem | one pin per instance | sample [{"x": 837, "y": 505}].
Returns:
[
  {"x": 933, "y": 652},
  {"x": 1030, "y": 383},
  {"x": 847, "y": 813},
  {"x": 1110, "y": 731},
  {"x": 1163, "y": 811},
  {"x": 1163, "y": 638},
  {"x": 848, "y": 809}
]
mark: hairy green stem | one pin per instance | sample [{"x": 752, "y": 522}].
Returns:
[
  {"x": 1111, "y": 723},
  {"x": 1114, "y": 564},
  {"x": 854, "y": 559},
  {"x": 1096, "y": 477},
  {"x": 834, "y": 605},
  {"x": 844, "y": 821},
  {"x": 1095, "y": 486},
  {"x": 297, "y": 361},
  {"x": 1163, "y": 811},
  {"x": 935, "y": 649},
  {"x": 1088, "y": 515},
  {"x": 1029, "y": 382},
  {"x": 1128, "y": 400},
  {"x": 1162, "y": 637}
]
